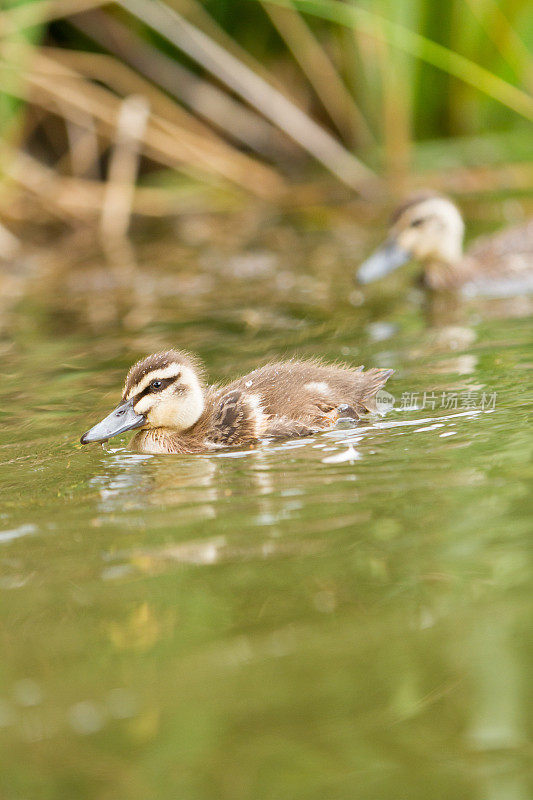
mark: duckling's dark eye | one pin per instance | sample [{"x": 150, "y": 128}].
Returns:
[
  {"x": 156, "y": 385},
  {"x": 416, "y": 223}
]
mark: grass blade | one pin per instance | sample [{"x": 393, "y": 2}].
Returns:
[
  {"x": 252, "y": 88},
  {"x": 420, "y": 47},
  {"x": 206, "y": 100},
  {"x": 320, "y": 71}
]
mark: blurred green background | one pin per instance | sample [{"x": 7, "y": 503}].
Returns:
[{"x": 285, "y": 101}]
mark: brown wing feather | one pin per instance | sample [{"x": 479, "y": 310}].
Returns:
[
  {"x": 304, "y": 391},
  {"x": 236, "y": 419}
]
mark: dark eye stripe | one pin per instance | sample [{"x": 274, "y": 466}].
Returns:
[
  {"x": 148, "y": 389},
  {"x": 163, "y": 383}
]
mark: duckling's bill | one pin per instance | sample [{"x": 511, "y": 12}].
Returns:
[
  {"x": 122, "y": 419},
  {"x": 387, "y": 258}
]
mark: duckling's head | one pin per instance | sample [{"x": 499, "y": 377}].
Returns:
[
  {"x": 164, "y": 390},
  {"x": 428, "y": 228}
]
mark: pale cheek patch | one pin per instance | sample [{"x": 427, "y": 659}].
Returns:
[
  {"x": 173, "y": 413},
  {"x": 422, "y": 243},
  {"x": 317, "y": 386},
  {"x": 409, "y": 238},
  {"x": 159, "y": 407},
  {"x": 143, "y": 405}
]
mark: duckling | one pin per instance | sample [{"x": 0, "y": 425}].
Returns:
[
  {"x": 429, "y": 228},
  {"x": 166, "y": 397}
]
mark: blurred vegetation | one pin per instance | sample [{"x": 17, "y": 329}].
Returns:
[{"x": 156, "y": 107}]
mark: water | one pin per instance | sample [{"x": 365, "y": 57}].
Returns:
[{"x": 344, "y": 616}]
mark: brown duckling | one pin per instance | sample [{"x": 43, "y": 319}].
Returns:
[
  {"x": 429, "y": 228},
  {"x": 165, "y": 396}
]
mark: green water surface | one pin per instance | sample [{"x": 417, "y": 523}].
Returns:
[{"x": 341, "y": 617}]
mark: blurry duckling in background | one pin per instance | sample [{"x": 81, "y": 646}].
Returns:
[
  {"x": 429, "y": 228},
  {"x": 165, "y": 396}
]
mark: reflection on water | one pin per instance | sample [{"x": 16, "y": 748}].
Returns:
[{"x": 346, "y": 615}]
